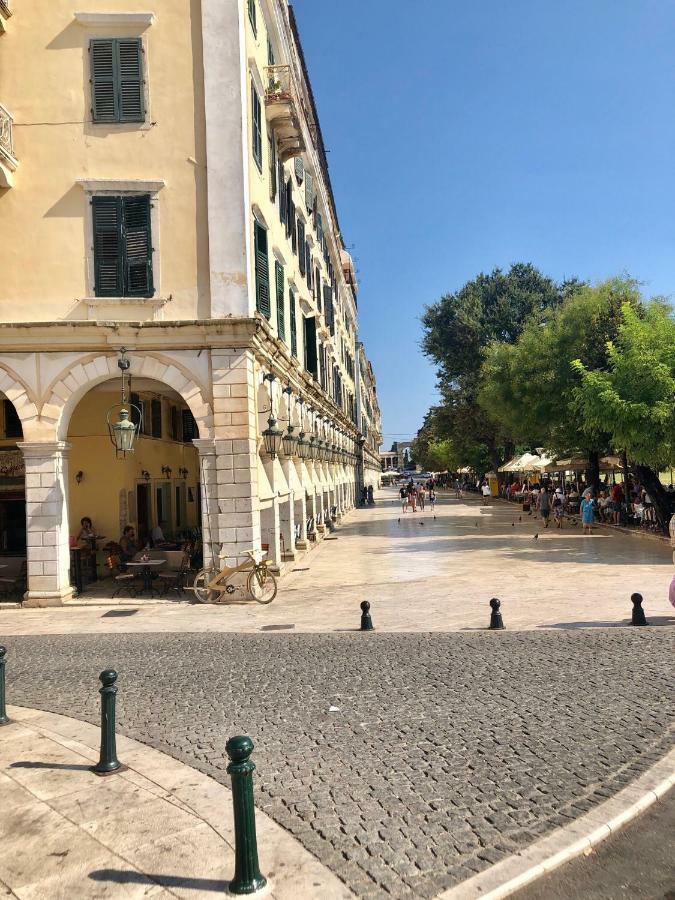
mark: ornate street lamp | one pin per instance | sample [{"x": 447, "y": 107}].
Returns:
[
  {"x": 272, "y": 436},
  {"x": 123, "y": 432},
  {"x": 290, "y": 441}
]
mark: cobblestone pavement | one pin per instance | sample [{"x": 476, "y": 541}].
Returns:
[{"x": 443, "y": 753}]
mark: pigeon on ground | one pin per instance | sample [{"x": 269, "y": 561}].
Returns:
[
  {"x": 421, "y": 523},
  {"x": 513, "y": 524},
  {"x": 476, "y": 524},
  {"x": 536, "y": 537},
  {"x": 520, "y": 518},
  {"x": 399, "y": 521}
]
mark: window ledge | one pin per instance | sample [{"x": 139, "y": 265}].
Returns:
[
  {"x": 101, "y": 19},
  {"x": 115, "y": 186},
  {"x": 125, "y": 309}
]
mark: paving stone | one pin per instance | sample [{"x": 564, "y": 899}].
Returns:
[{"x": 450, "y": 751}]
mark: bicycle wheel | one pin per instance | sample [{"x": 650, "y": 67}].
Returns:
[
  {"x": 261, "y": 585},
  {"x": 201, "y": 589}
]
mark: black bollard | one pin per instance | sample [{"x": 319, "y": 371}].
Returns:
[
  {"x": 108, "y": 763},
  {"x": 4, "y": 720},
  {"x": 496, "y": 621},
  {"x": 247, "y": 877},
  {"x": 366, "y": 621},
  {"x": 638, "y": 617}
]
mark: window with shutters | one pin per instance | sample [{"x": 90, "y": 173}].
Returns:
[
  {"x": 190, "y": 429},
  {"x": 309, "y": 336},
  {"x": 122, "y": 246},
  {"x": 281, "y": 303},
  {"x": 256, "y": 118},
  {"x": 308, "y": 263},
  {"x": 117, "y": 84},
  {"x": 302, "y": 247},
  {"x": 262, "y": 271},
  {"x": 317, "y": 288},
  {"x": 294, "y": 324},
  {"x": 328, "y": 307},
  {"x": 272, "y": 147},
  {"x": 156, "y": 418},
  {"x": 252, "y": 16},
  {"x": 175, "y": 424}
]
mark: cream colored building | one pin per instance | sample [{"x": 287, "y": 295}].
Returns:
[{"x": 164, "y": 190}]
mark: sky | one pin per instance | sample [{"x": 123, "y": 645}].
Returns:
[{"x": 464, "y": 135}]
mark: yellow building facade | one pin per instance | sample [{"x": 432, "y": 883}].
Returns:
[{"x": 165, "y": 198}]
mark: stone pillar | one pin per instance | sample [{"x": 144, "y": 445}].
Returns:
[
  {"x": 209, "y": 499},
  {"x": 47, "y": 533},
  {"x": 235, "y": 426},
  {"x": 274, "y": 540},
  {"x": 287, "y": 523},
  {"x": 302, "y": 542}
]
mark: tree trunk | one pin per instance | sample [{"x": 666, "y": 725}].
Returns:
[
  {"x": 496, "y": 461},
  {"x": 594, "y": 470},
  {"x": 650, "y": 480},
  {"x": 624, "y": 466}
]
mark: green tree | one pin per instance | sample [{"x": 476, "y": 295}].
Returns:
[
  {"x": 490, "y": 308},
  {"x": 529, "y": 387},
  {"x": 633, "y": 397}
]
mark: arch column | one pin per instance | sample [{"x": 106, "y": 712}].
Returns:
[
  {"x": 209, "y": 497},
  {"x": 47, "y": 539}
]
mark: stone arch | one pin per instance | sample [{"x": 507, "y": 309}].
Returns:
[
  {"x": 23, "y": 399},
  {"x": 70, "y": 386}
]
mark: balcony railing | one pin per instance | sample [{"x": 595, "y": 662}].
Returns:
[
  {"x": 284, "y": 110},
  {"x": 7, "y": 159}
]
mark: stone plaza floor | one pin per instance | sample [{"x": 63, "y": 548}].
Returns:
[{"x": 410, "y": 758}]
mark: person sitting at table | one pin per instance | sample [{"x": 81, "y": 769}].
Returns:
[
  {"x": 87, "y": 536},
  {"x": 157, "y": 538},
  {"x": 128, "y": 543}
]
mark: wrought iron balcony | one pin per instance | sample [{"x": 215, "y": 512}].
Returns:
[
  {"x": 284, "y": 110},
  {"x": 8, "y": 162}
]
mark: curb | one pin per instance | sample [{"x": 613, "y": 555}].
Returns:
[{"x": 564, "y": 844}]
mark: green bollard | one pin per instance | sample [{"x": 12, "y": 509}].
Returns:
[
  {"x": 108, "y": 764},
  {"x": 4, "y": 720},
  {"x": 247, "y": 878}
]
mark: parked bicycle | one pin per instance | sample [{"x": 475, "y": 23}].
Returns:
[{"x": 212, "y": 584}]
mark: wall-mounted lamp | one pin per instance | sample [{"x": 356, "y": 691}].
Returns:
[
  {"x": 167, "y": 470},
  {"x": 272, "y": 436},
  {"x": 145, "y": 474},
  {"x": 79, "y": 476},
  {"x": 183, "y": 472}
]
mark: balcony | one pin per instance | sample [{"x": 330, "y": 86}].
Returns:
[
  {"x": 284, "y": 111},
  {"x": 8, "y": 161}
]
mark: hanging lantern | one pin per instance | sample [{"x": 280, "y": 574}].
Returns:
[
  {"x": 290, "y": 443},
  {"x": 123, "y": 432},
  {"x": 303, "y": 446},
  {"x": 273, "y": 438}
]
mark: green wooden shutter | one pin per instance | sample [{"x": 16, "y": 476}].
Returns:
[
  {"x": 256, "y": 126},
  {"x": 130, "y": 80},
  {"x": 308, "y": 264},
  {"x": 309, "y": 192},
  {"x": 156, "y": 418},
  {"x": 104, "y": 96},
  {"x": 108, "y": 250},
  {"x": 137, "y": 246},
  {"x": 302, "y": 247},
  {"x": 281, "y": 303},
  {"x": 294, "y": 324},
  {"x": 309, "y": 327},
  {"x": 190, "y": 429},
  {"x": 262, "y": 272}
]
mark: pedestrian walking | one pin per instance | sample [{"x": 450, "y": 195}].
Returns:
[
  {"x": 487, "y": 493},
  {"x": 403, "y": 493},
  {"x": 412, "y": 496},
  {"x": 544, "y": 504},
  {"x": 432, "y": 499},
  {"x": 558, "y": 504},
  {"x": 588, "y": 513},
  {"x": 458, "y": 489},
  {"x": 421, "y": 496}
]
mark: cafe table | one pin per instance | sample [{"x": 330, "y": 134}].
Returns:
[{"x": 147, "y": 566}]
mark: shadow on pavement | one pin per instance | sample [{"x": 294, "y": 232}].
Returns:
[
  {"x": 29, "y": 764},
  {"x": 651, "y": 620},
  {"x": 122, "y": 876}
]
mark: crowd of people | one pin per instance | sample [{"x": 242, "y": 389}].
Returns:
[
  {"x": 418, "y": 495},
  {"x": 612, "y": 504}
]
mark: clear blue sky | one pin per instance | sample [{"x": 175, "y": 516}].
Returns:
[{"x": 469, "y": 134}]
